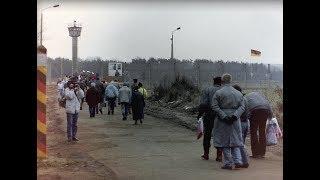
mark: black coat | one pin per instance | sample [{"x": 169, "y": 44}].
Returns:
[
  {"x": 92, "y": 97},
  {"x": 137, "y": 103}
]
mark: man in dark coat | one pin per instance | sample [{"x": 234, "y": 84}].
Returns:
[
  {"x": 137, "y": 104},
  {"x": 134, "y": 84},
  {"x": 208, "y": 117},
  {"x": 228, "y": 104},
  {"x": 101, "y": 91},
  {"x": 258, "y": 110},
  {"x": 92, "y": 99}
]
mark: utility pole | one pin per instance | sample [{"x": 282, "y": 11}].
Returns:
[{"x": 174, "y": 63}]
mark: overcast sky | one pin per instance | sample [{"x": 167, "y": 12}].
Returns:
[{"x": 127, "y": 30}]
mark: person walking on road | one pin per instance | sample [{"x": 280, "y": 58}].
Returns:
[
  {"x": 208, "y": 117},
  {"x": 244, "y": 130},
  {"x": 228, "y": 104},
  {"x": 92, "y": 98},
  {"x": 83, "y": 86},
  {"x": 137, "y": 104},
  {"x": 72, "y": 110},
  {"x": 124, "y": 99},
  {"x": 80, "y": 94},
  {"x": 111, "y": 94},
  {"x": 258, "y": 110},
  {"x": 101, "y": 91}
]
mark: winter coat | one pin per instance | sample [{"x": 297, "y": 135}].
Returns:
[
  {"x": 137, "y": 104},
  {"x": 101, "y": 91},
  {"x": 72, "y": 102},
  {"x": 80, "y": 93},
  {"x": 92, "y": 97},
  {"x": 205, "y": 102},
  {"x": 227, "y": 102},
  {"x": 124, "y": 94},
  {"x": 111, "y": 91},
  {"x": 256, "y": 100}
]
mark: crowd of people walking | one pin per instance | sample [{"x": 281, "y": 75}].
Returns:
[
  {"x": 228, "y": 114},
  {"x": 74, "y": 91}
]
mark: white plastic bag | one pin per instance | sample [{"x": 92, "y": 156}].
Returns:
[
  {"x": 273, "y": 132},
  {"x": 199, "y": 128}
]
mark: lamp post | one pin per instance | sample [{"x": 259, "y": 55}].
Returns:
[
  {"x": 172, "y": 40},
  {"x": 174, "y": 64},
  {"x": 41, "y": 19}
]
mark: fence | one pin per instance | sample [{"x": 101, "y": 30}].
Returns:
[{"x": 156, "y": 72}]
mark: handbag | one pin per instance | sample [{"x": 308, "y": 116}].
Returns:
[
  {"x": 272, "y": 132},
  {"x": 199, "y": 128}
]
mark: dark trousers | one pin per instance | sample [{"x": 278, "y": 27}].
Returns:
[
  {"x": 111, "y": 104},
  {"x": 258, "y": 119},
  {"x": 125, "y": 107},
  {"x": 92, "y": 111},
  {"x": 208, "y": 126}
]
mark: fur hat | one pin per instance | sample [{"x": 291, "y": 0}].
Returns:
[{"x": 226, "y": 78}]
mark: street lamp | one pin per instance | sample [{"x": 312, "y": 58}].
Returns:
[
  {"x": 41, "y": 11},
  {"x": 174, "y": 64},
  {"x": 172, "y": 40}
]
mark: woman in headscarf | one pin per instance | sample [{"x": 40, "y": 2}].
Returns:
[{"x": 137, "y": 104}]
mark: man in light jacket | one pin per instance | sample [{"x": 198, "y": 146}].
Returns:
[
  {"x": 111, "y": 94},
  {"x": 124, "y": 99},
  {"x": 72, "y": 110},
  {"x": 257, "y": 110},
  {"x": 228, "y": 104}
]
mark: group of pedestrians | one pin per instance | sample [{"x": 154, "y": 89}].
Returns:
[
  {"x": 74, "y": 91},
  {"x": 226, "y": 114}
]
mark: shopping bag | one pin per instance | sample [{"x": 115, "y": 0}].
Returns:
[
  {"x": 199, "y": 128},
  {"x": 272, "y": 132},
  {"x": 278, "y": 131}
]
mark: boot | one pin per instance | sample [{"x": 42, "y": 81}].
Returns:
[
  {"x": 140, "y": 121},
  {"x": 219, "y": 155},
  {"x": 205, "y": 155}
]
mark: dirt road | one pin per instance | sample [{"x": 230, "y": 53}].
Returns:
[{"x": 110, "y": 148}]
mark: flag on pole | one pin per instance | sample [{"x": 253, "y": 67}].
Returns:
[{"x": 255, "y": 52}]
